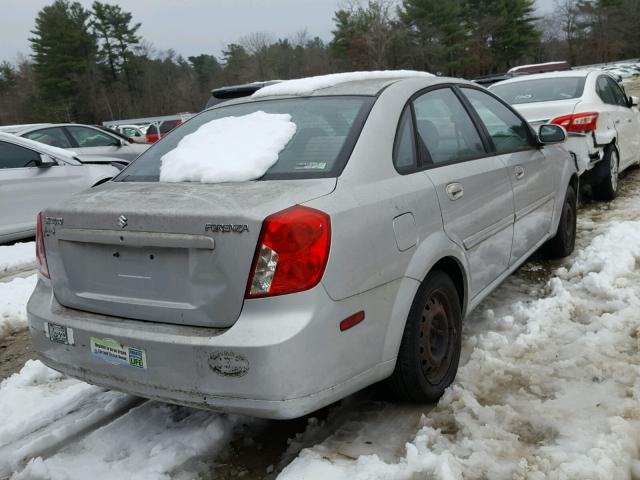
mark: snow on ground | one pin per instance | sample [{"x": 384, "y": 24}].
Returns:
[
  {"x": 305, "y": 86},
  {"x": 152, "y": 441},
  {"x": 41, "y": 411},
  {"x": 17, "y": 257},
  {"x": 229, "y": 149},
  {"x": 550, "y": 389},
  {"x": 39, "y": 408},
  {"x": 13, "y": 303}
]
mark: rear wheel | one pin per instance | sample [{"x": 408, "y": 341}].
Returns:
[
  {"x": 564, "y": 242},
  {"x": 607, "y": 189},
  {"x": 430, "y": 349}
]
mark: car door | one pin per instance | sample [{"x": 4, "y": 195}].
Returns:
[
  {"x": 92, "y": 141},
  {"x": 26, "y": 189},
  {"x": 627, "y": 126},
  {"x": 530, "y": 170},
  {"x": 473, "y": 189}
]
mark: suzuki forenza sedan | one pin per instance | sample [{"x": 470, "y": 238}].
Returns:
[{"x": 398, "y": 205}]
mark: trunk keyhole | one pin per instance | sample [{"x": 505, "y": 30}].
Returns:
[
  {"x": 117, "y": 254},
  {"x": 151, "y": 256}
]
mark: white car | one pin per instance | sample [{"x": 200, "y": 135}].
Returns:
[
  {"x": 82, "y": 139},
  {"x": 33, "y": 176},
  {"x": 603, "y": 123}
]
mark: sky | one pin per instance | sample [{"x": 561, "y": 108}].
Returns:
[{"x": 190, "y": 27}]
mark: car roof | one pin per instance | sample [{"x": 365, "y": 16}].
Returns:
[
  {"x": 365, "y": 87},
  {"x": 39, "y": 147},
  {"x": 20, "y": 129}
]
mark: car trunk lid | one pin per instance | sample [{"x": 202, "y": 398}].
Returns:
[
  {"x": 543, "y": 112},
  {"x": 170, "y": 253}
]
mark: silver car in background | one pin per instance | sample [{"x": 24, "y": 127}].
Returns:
[
  {"x": 602, "y": 122},
  {"x": 397, "y": 206},
  {"x": 83, "y": 139},
  {"x": 34, "y": 176}
]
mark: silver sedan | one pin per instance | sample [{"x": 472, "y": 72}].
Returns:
[{"x": 399, "y": 203}]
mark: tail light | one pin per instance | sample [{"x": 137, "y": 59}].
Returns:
[
  {"x": 580, "y": 122},
  {"x": 41, "y": 254},
  {"x": 291, "y": 254}
]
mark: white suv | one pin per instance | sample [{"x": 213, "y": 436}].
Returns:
[{"x": 603, "y": 123}]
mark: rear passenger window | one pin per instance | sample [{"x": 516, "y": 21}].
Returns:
[
  {"x": 404, "y": 149},
  {"x": 508, "y": 132},
  {"x": 445, "y": 128},
  {"x": 604, "y": 91},
  {"x": 618, "y": 95},
  {"x": 51, "y": 136}
]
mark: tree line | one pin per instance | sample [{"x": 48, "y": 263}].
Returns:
[{"x": 90, "y": 65}]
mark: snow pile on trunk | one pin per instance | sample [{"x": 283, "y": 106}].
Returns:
[
  {"x": 17, "y": 257},
  {"x": 229, "y": 149},
  {"x": 305, "y": 86},
  {"x": 551, "y": 390},
  {"x": 13, "y": 303}
]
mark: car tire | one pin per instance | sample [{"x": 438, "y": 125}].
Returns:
[
  {"x": 430, "y": 348},
  {"x": 563, "y": 243},
  {"x": 607, "y": 188}
]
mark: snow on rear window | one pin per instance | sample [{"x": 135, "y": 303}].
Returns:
[
  {"x": 305, "y": 86},
  {"x": 326, "y": 131},
  {"x": 229, "y": 149}
]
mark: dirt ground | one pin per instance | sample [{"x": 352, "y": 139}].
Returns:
[{"x": 15, "y": 350}]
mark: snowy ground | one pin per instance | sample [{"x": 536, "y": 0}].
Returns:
[
  {"x": 548, "y": 388},
  {"x": 16, "y": 257}
]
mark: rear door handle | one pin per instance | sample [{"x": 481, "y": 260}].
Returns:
[
  {"x": 518, "y": 172},
  {"x": 454, "y": 191}
]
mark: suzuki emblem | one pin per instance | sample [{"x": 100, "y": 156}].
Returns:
[{"x": 122, "y": 221}]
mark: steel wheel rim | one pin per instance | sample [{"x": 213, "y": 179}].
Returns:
[
  {"x": 613, "y": 167},
  {"x": 437, "y": 337}
]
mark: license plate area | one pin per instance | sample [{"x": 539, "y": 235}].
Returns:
[{"x": 59, "y": 333}]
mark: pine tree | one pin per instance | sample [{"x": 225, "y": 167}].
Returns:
[
  {"x": 64, "y": 52},
  {"x": 117, "y": 37}
]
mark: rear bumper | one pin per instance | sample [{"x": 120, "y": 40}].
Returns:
[{"x": 288, "y": 354}]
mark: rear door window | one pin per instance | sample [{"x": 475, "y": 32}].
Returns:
[
  {"x": 51, "y": 136},
  {"x": 445, "y": 128},
  {"x": 14, "y": 156},
  {"x": 88, "y": 137},
  {"x": 508, "y": 132},
  {"x": 617, "y": 93},
  {"x": 604, "y": 91}
]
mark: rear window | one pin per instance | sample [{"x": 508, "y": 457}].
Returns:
[
  {"x": 326, "y": 131},
  {"x": 540, "y": 90}
]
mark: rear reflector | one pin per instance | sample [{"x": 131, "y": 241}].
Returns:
[
  {"x": 41, "y": 254},
  {"x": 351, "y": 321},
  {"x": 291, "y": 254},
  {"x": 579, "y": 122}
]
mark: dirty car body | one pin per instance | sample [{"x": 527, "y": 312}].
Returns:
[{"x": 159, "y": 289}]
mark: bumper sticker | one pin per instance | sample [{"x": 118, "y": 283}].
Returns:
[{"x": 114, "y": 352}]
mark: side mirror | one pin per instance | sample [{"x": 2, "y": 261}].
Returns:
[
  {"x": 632, "y": 101},
  {"x": 549, "y": 134},
  {"x": 45, "y": 161}
]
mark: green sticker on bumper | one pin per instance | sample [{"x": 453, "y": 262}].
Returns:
[{"x": 114, "y": 352}]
